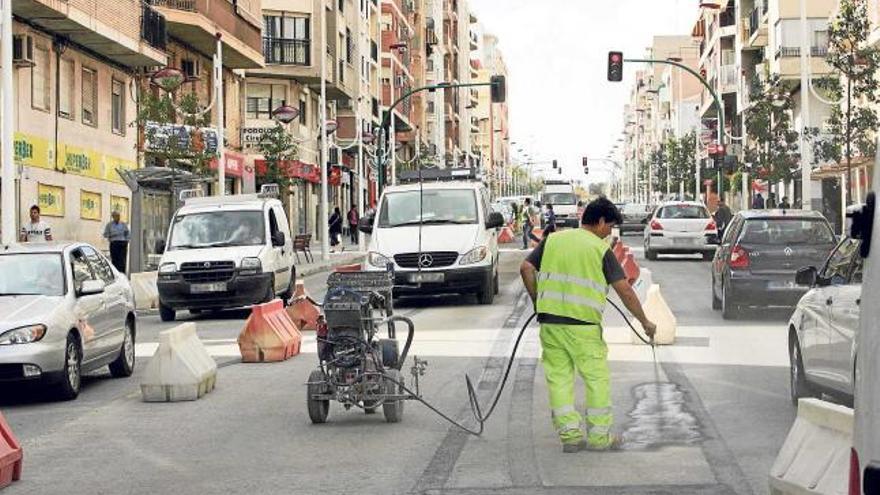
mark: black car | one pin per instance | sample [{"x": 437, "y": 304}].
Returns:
[{"x": 760, "y": 255}]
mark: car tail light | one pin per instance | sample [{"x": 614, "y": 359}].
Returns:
[
  {"x": 855, "y": 474},
  {"x": 739, "y": 258},
  {"x": 712, "y": 225},
  {"x": 655, "y": 225}
]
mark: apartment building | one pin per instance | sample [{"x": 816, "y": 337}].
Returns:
[
  {"x": 492, "y": 136},
  {"x": 435, "y": 72},
  {"x": 74, "y": 106},
  {"x": 399, "y": 50}
]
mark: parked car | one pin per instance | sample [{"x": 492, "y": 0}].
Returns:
[
  {"x": 635, "y": 217},
  {"x": 681, "y": 227},
  {"x": 64, "y": 311},
  {"x": 822, "y": 330},
  {"x": 760, "y": 255}
]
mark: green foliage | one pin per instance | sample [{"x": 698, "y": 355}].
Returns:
[
  {"x": 676, "y": 159},
  {"x": 772, "y": 148},
  {"x": 278, "y": 147}
]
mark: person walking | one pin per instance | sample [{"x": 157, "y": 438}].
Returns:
[
  {"x": 549, "y": 221},
  {"x": 567, "y": 277},
  {"x": 529, "y": 219},
  {"x": 353, "y": 219},
  {"x": 37, "y": 230},
  {"x": 723, "y": 216},
  {"x": 335, "y": 229},
  {"x": 758, "y": 202},
  {"x": 117, "y": 232}
]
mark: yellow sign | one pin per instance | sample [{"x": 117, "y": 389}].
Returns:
[
  {"x": 81, "y": 161},
  {"x": 33, "y": 151},
  {"x": 51, "y": 200},
  {"x": 120, "y": 204},
  {"x": 113, "y": 164},
  {"x": 89, "y": 205}
]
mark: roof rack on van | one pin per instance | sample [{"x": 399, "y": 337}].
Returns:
[
  {"x": 270, "y": 191},
  {"x": 439, "y": 174},
  {"x": 191, "y": 193}
]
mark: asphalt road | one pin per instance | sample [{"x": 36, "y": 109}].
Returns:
[{"x": 709, "y": 418}]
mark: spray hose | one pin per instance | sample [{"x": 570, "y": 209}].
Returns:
[{"x": 473, "y": 400}]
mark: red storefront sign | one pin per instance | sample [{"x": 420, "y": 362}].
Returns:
[
  {"x": 295, "y": 170},
  {"x": 235, "y": 164},
  {"x": 335, "y": 176}
]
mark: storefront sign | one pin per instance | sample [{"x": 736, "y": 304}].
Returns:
[
  {"x": 295, "y": 170},
  {"x": 113, "y": 165},
  {"x": 34, "y": 151},
  {"x": 235, "y": 164},
  {"x": 89, "y": 205},
  {"x": 185, "y": 139},
  {"x": 120, "y": 204},
  {"x": 252, "y": 135},
  {"x": 51, "y": 200},
  {"x": 81, "y": 161}
]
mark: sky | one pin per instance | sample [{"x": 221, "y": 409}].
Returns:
[{"x": 561, "y": 104}]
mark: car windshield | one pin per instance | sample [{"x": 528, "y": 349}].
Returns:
[
  {"x": 683, "y": 212},
  {"x": 787, "y": 231},
  {"x": 31, "y": 274},
  {"x": 438, "y": 206},
  {"x": 559, "y": 199},
  {"x": 217, "y": 229}
]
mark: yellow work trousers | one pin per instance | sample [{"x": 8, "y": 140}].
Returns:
[{"x": 567, "y": 348}]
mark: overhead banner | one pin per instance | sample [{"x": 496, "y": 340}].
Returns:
[
  {"x": 185, "y": 139},
  {"x": 89, "y": 205},
  {"x": 34, "y": 151},
  {"x": 51, "y": 200}
]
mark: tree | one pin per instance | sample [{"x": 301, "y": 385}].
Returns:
[
  {"x": 278, "y": 149},
  {"x": 679, "y": 161},
  {"x": 853, "y": 82},
  {"x": 772, "y": 148}
]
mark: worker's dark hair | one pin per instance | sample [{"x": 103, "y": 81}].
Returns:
[
  {"x": 528, "y": 201},
  {"x": 35, "y": 207},
  {"x": 601, "y": 208}
]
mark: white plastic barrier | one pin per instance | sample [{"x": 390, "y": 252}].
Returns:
[
  {"x": 658, "y": 312},
  {"x": 181, "y": 368},
  {"x": 815, "y": 456},
  {"x": 146, "y": 292},
  {"x": 645, "y": 281}
]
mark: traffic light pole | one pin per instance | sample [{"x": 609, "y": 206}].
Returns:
[{"x": 718, "y": 103}]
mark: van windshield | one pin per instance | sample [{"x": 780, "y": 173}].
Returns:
[
  {"x": 217, "y": 229},
  {"x": 559, "y": 199},
  {"x": 452, "y": 206}
]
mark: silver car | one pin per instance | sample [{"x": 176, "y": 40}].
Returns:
[
  {"x": 64, "y": 311},
  {"x": 681, "y": 227},
  {"x": 822, "y": 330}
]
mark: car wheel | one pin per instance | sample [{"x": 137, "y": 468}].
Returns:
[
  {"x": 800, "y": 388},
  {"x": 729, "y": 310},
  {"x": 496, "y": 284},
  {"x": 270, "y": 292},
  {"x": 487, "y": 292},
  {"x": 291, "y": 287},
  {"x": 708, "y": 255},
  {"x": 166, "y": 314},
  {"x": 68, "y": 389},
  {"x": 123, "y": 366},
  {"x": 318, "y": 409},
  {"x": 650, "y": 254},
  {"x": 716, "y": 303}
]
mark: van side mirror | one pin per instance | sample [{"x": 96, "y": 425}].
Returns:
[
  {"x": 278, "y": 239},
  {"x": 90, "y": 287},
  {"x": 806, "y": 276},
  {"x": 495, "y": 221},
  {"x": 159, "y": 247},
  {"x": 365, "y": 225}
]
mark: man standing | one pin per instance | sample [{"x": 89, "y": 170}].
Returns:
[
  {"x": 529, "y": 214},
  {"x": 567, "y": 277},
  {"x": 785, "y": 204},
  {"x": 37, "y": 230},
  {"x": 758, "y": 202},
  {"x": 353, "y": 218},
  {"x": 723, "y": 216},
  {"x": 116, "y": 231},
  {"x": 549, "y": 221}
]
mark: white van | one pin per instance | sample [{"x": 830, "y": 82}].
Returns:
[
  {"x": 226, "y": 252},
  {"x": 560, "y": 194},
  {"x": 451, "y": 248}
]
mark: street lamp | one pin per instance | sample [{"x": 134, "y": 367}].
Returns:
[
  {"x": 168, "y": 78},
  {"x": 285, "y": 114}
]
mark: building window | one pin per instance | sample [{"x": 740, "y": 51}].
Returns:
[
  {"x": 40, "y": 79},
  {"x": 430, "y": 107},
  {"x": 117, "y": 102},
  {"x": 89, "y": 97},
  {"x": 66, "y": 88},
  {"x": 342, "y": 5},
  {"x": 189, "y": 67},
  {"x": 287, "y": 40},
  {"x": 303, "y": 108},
  {"x": 349, "y": 46},
  {"x": 430, "y": 65},
  {"x": 263, "y": 99}
]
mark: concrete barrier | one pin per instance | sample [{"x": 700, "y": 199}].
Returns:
[
  {"x": 181, "y": 368},
  {"x": 146, "y": 292},
  {"x": 815, "y": 456},
  {"x": 269, "y": 335},
  {"x": 658, "y": 312},
  {"x": 641, "y": 286},
  {"x": 11, "y": 455}
]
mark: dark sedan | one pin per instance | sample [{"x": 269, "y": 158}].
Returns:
[
  {"x": 635, "y": 217},
  {"x": 760, "y": 255}
]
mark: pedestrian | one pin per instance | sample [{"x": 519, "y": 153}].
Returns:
[
  {"x": 785, "y": 205},
  {"x": 335, "y": 228},
  {"x": 353, "y": 219},
  {"x": 116, "y": 231},
  {"x": 567, "y": 277},
  {"x": 37, "y": 230},
  {"x": 549, "y": 221},
  {"x": 514, "y": 207},
  {"x": 771, "y": 202},
  {"x": 758, "y": 202},
  {"x": 723, "y": 216},
  {"x": 529, "y": 214}
]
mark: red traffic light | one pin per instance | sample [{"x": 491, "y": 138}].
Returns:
[
  {"x": 615, "y": 57},
  {"x": 615, "y": 66}
]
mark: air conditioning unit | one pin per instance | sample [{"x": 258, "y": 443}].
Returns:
[{"x": 23, "y": 50}]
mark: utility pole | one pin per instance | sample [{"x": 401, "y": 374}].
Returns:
[
  {"x": 8, "y": 156},
  {"x": 323, "y": 225},
  {"x": 218, "y": 93},
  {"x": 806, "y": 156}
]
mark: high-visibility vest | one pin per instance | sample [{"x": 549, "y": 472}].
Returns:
[{"x": 571, "y": 282}]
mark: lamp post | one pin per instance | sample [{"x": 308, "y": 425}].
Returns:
[
  {"x": 399, "y": 48},
  {"x": 325, "y": 227},
  {"x": 7, "y": 226}
]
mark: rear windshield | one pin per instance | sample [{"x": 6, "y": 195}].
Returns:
[
  {"x": 683, "y": 212},
  {"x": 786, "y": 231},
  {"x": 559, "y": 199}
]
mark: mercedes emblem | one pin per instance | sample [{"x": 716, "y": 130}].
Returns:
[
  {"x": 425, "y": 260},
  {"x": 788, "y": 251},
  {"x": 207, "y": 264}
]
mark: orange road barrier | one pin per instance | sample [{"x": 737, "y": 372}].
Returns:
[
  {"x": 631, "y": 268},
  {"x": 505, "y": 236},
  {"x": 302, "y": 310},
  {"x": 619, "y": 249},
  {"x": 11, "y": 455},
  {"x": 539, "y": 234},
  {"x": 269, "y": 335}
]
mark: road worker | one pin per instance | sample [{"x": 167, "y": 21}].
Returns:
[{"x": 568, "y": 276}]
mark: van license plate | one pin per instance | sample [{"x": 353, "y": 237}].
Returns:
[
  {"x": 206, "y": 288},
  {"x": 426, "y": 277}
]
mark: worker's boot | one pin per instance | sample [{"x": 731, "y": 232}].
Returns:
[
  {"x": 574, "y": 447},
  {"x": 614, "y": 443}
]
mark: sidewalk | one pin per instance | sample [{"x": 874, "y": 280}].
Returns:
[{"x": 350, "y": 256}]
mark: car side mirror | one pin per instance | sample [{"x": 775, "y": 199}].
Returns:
[
  {"x": 495, "y": 221},
  {"x": 159, "y": 247},
  {"x": 807, "y": 276},
  {"x": 365, "y": 225},
  {"x": 278, "y": 239},
  {"x": 91, "y": 287}
]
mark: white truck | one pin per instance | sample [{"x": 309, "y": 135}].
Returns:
[{"x": 561, "y": 194}]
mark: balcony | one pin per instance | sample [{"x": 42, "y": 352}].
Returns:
[
  {"x": 287, "y": 52},
  {"x": 788, "y": 51},
  {"x": 475, "y": 43},
  {"x": 758, "y": 27},
  {"x": 728, "y": 79},
  {"x": 197, "y": 22},
  {"x": 112, "y": 29},
  {"x": 154, "y": 30}
]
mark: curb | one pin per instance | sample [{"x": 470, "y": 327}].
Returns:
[{"x": 323, "y": 267}]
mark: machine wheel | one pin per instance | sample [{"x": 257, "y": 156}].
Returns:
[
  {"x": 729, "y": 310},
  {"x": 166, "y": 314},
  {"x": 393, "y": 409},
  {"x": 390, "y": 352},
  {"x": 318, "y": 409},
  {"x": 716, "y": 303},
  {"x": 68, "y": 389},
  {"x": 123, "y": 366},
  {"x": 800, "y": 388}
]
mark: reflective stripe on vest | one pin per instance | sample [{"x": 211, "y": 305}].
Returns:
[{"x": 571, "y": 282}]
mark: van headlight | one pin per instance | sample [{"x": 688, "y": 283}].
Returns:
[
  {"x": 167, "y": 269},
  {"x": 23, "y": 335},
  {"x": 377, "y": 260},
  {"x": 251, "y": 266},
  {"x": 475, "y": 255}
]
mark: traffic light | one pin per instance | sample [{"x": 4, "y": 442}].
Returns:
[
  {"x": 499, "y": 89},
  {"x": 615, "y": 66},
  {"x": 586, "y": 162}
]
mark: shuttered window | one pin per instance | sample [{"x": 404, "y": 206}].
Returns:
[
  {"x": 66, "y": 88},
  {"x": 89, "y": 97},
  {"x": 40, "y": 79}
]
